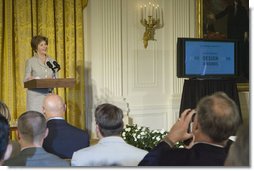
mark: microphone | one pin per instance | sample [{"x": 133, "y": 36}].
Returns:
[
  {"x": 49, "y": 65},
  {"x": 57, "y": 65}
]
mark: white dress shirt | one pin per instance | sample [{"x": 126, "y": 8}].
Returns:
[{"x": 109, "y": 151}]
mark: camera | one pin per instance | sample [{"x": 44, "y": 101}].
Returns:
[{"x": 188, "y": 141}]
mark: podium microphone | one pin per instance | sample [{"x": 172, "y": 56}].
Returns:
[
  {"x": 50, "y": 90},
  {"x": 57, "y": 65},
  {"x": 53, "y": 69},
  {"x": 49, "y": 65}
]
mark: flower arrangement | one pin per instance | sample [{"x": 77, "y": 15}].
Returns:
[{"x": 143, "y": 137}]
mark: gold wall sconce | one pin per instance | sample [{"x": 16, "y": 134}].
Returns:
[{"x": 151, "y": 19}]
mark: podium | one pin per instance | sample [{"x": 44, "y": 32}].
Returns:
[{"x": 50, "y": 83}]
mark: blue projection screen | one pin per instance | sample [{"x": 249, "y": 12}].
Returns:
[{"x": 209, "y": 58}]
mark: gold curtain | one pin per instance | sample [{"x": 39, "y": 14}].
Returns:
[{"x": 62, "y": 22}]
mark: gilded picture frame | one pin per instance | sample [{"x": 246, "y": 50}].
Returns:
[{"x": 199, "y": 33}]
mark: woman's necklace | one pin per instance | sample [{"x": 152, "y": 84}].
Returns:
[{"x": 42, "y": 58}]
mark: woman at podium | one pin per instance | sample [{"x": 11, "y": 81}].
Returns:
[{"x": 38, "y": 67}]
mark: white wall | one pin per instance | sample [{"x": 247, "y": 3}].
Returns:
[{"x": 120, "y": 70}]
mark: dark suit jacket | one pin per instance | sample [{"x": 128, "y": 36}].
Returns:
[
  {"x": 200, "y": 154},
  {"x": 64, "y": 139},
  {"x": 236, "y": 24},
  {"x": 36, "y": 157}
]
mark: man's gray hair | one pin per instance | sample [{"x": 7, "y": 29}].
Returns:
[{"x": 218, "y": 116}]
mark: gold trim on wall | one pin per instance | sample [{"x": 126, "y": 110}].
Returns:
[
  {"x": 199, "y": 18},
  {"x": 199, "y": 34}
]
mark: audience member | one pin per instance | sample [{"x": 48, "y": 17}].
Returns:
[
  {"x": 31, "y": 132},
  {"x": 216, "y": 119},
  {"x": 111, "y": 149},
  {"x": 5, "y": 147},
  {"x": 4, "y": 110},
  {"x": 63, "y": 139},
  {"x": 238, "y": 154}
]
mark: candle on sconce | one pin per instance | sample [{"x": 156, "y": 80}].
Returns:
[
  {"x": 141, "y": 9},
  {"x": 156, "y": 9},
  {"x": 149, "y": 9},
  {"x": 153, "y": 10},
  {"x": 159, "y": 12},
  {"x": 145, "y": 12},
  {"x": 150, "y": 19}
]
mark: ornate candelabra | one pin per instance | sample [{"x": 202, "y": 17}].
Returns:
[{"x": 152, "y": 21}]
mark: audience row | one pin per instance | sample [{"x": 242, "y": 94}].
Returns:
[{"x": 47, "y": 140}]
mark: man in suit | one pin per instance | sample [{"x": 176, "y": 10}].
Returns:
[
  {"x": 215, "y": 120},
  {"x": 237, "y": 20},
  {"x": 31, "y": 132},
  {"x": 63, "y": 139},
  {"x": 111, "y": 149}
]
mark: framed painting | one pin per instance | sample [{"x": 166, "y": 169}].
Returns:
[{"x": 213, "y": 21}]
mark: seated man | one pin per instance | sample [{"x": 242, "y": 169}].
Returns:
[
  {"x": 5, "y": 147},
  {"x": 216, "y": 119},
  {"x": 31, "y": 132},
  {"x": 63, "y": 139},
  {"x": 111, "y": 149}
]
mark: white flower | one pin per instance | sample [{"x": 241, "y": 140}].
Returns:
[
  {"x": 158, "y": 138},
  {"x": 162, "y": 131},
  {"x": 142, "y": 136},
  {"x": 127, "y": 129}
]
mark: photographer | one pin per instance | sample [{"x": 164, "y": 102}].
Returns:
[{"x": 216, "y": 119}]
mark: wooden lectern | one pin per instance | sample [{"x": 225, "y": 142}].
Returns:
[{"x": 50, "y": 83}]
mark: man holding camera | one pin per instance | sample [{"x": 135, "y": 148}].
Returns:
[{"x": 216, "y": 119}]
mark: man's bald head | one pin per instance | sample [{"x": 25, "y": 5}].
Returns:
[
  {"x": 53, "y": 106},
  {"x": 218, "y": 116}
]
